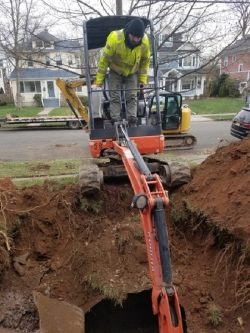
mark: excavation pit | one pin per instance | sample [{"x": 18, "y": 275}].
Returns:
[
  {"x": 78, "y": 249},
  {"x": 133, "y": 316}
]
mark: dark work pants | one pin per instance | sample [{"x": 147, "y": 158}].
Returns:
[{"x": 115, "y": 83}]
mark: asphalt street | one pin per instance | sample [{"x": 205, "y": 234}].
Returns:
[{"x": 50, "y": 143}]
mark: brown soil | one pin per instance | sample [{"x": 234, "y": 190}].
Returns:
[{"x": 88, "y": 249}]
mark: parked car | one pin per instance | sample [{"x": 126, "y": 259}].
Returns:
[{"x": 240, "y": 127}]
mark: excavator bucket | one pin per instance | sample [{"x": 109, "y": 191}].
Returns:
[{"x": 58, "y": 316}]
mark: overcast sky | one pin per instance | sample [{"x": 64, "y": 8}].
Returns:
[{"x": 222, "y": 21}]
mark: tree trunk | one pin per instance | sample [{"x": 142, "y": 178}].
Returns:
[
  {"x": 18, "y": 95},
  {"x": 118, "y": 7}
]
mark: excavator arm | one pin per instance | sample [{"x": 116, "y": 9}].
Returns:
[
  {"x": 151, "y": 199},
  {"x": 68, "y": 90}
]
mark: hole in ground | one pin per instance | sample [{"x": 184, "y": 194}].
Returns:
[{"x": 134, "y": 316}]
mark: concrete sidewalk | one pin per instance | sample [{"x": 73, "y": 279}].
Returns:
[
  {"x": 45, "y": 112},
  {"x": 200, "y": 118},
  {"x": 206, "y": 117},
  {"x": 194, "y": 117}
]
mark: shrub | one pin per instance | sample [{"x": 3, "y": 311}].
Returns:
[
  {"x": 229, "y": 88},
  {"x": 224, "y": 86},
  {"x": 215, "y": 315},
  {"x": 84, "y": 100},
  {"x": 38, "y": 99}
]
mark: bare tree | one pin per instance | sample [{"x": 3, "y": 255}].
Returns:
[
  {"x": 204, "y": 24},
  {"x": 242, "y": 11},
  {"x": 18, "y": 21}
]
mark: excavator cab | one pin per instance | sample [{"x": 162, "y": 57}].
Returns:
[
  {"x": 170, "y": 109},
  {"x": 175, "y": 119},
  {"x": 147, "y": 134}
]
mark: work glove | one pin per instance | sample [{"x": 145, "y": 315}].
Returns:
[
  {"x": 141, "y": 85},
  {"x": 141, "y": 91},
  {"x": 98, "y": 85}
]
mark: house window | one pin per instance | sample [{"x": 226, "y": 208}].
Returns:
[
  {"x": 30, "y": 86},
  {"x": 79, "y": 89},
  {"x": 78, "y": 63},
  {"x": 187, "y": 61},
  {"x": 30, "y": 63},
  {"x": 47, "y": 45},
  {"x": 58, "y": 59},
  {"x": 70, "y": 61},
  {"x": 225, "y": 61},
  {"x": 47, "y": 61},
  {"x": 194, "y": 62},
  {"x": 186, "y": 85},
  {"x": 39, "y": 43},
  {"x": 240, "y": 68},
  {"x": 180, "y": 62},
  {"x": 234, "y": 58},
  {"x": 168, "y": 42}
]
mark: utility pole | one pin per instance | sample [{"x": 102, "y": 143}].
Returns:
[{"x": 118, "y": 7}]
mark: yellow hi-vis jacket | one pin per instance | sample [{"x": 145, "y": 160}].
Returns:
[{"x": 122, "y": 60}]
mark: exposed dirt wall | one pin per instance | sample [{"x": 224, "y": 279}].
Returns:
[{"x": 85, "y": 250}]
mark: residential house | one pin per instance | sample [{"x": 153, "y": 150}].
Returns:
[
  {"x": 179, "y": 63},
  {"x": 235, "y": 61},
  {"x": 46, "y": 58}
]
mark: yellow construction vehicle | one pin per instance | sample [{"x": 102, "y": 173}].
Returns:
[
  {"x": 175, "y": 120},
  {"x": 68, "y": 90}
]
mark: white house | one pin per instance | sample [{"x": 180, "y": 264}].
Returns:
[
  {"x": 46, "y": 59},
  {"x": 179, "y": 63}
]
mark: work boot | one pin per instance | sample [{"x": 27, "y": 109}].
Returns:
[
  {"x": 132, "y": 122},
  {"x": 114, "y": 120}
]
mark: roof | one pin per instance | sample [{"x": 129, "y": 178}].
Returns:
[
  {"x": 67, "y": 45},
  {"x": 179, "y": 46},
  {"x": 42, "y": 73},
  {"x": 45, "y": 36},
  {"x": 176, "y": 44},
  {"x": 58, "y": 44},
  {"x": 239, "y": 45},
  {"x": 183, "y": 72}
]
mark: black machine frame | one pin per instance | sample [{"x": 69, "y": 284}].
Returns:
[{"x": 95, "y": 32}]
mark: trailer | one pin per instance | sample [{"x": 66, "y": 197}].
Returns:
[{"x": 71, "y": 122}]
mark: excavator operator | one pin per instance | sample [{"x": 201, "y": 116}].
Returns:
[{"x": 127, "y": 55}]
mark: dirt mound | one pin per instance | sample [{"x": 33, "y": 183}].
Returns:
[
  {"x": 83, "y": 250},
  {"x": 221, "y": 188}
]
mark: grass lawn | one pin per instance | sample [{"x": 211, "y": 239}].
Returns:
[
  {"x": 30, "y": 173},
  {"x": 216, "y": 105},
  {"x": 24, "y": 112},
  {"x": 64, "y": 111},
  {"x": 38, "y": 168},
  {"x": 202, "y": 106}
]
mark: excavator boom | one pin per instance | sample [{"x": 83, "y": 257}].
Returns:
[
  {"x": 68, "y": 90},
  {"x": 151, "y": 199}
]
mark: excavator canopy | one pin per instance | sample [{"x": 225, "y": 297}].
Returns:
[{"x": 99, "y": 28}]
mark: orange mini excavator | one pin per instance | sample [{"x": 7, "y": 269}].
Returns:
[{"x": 128, "y": 145}]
